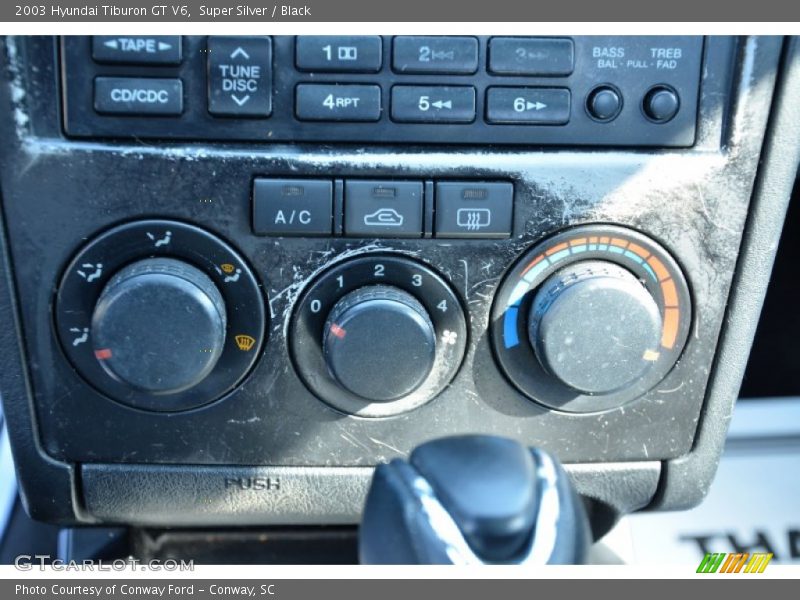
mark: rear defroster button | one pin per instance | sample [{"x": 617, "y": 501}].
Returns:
[{"x": 474, "y": 209}]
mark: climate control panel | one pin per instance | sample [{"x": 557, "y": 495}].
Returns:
[{"x": 163, "y": 316}]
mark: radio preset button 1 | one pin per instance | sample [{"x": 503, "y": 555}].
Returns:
[
  {"x": 138, "y": 96},
  {"x": 293, "y": 207},
  {"x": 339, "y": 53},
  {"x": 240, "y": 76}
]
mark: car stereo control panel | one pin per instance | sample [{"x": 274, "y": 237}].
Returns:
[{"x": 600, "y": 91}]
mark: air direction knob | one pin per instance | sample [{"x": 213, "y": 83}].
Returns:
[{"x": 159, "y": 326}]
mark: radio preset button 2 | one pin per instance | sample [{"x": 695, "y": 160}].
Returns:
[{"x": 435, "y": 54}]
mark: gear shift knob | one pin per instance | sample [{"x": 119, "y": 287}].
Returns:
[{"x": 472, "y": 500}]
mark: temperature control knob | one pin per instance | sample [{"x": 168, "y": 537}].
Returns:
[
  {"x": 159, "y": 326},
  {"x": 379, "y": 343},
  {"x": 595, "y": 327},
  {"x": 591, "y": 318}
]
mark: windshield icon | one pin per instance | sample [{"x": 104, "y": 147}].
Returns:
[{"x": 384, "y": 217}]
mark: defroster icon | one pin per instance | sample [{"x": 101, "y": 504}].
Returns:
[{"x": 473, "y": 219}]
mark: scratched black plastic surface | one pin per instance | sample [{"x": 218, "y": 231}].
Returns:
[{"x": 59, "y": 192}]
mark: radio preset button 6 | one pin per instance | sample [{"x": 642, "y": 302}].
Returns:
[{"x": 528, "y": 106}]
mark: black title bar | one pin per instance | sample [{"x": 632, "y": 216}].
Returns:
[{"x": 42, "y": 11}]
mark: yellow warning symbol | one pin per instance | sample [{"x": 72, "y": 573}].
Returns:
[{"x": 245, "y": 342}]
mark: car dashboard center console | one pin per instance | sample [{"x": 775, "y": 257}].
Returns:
[{"x": 239, "y": 272}]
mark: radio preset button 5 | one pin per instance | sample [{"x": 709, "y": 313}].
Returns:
[{"x": 433, "y": 104}]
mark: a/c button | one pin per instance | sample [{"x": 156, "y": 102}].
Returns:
[{"x": 293, "y": 207}]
